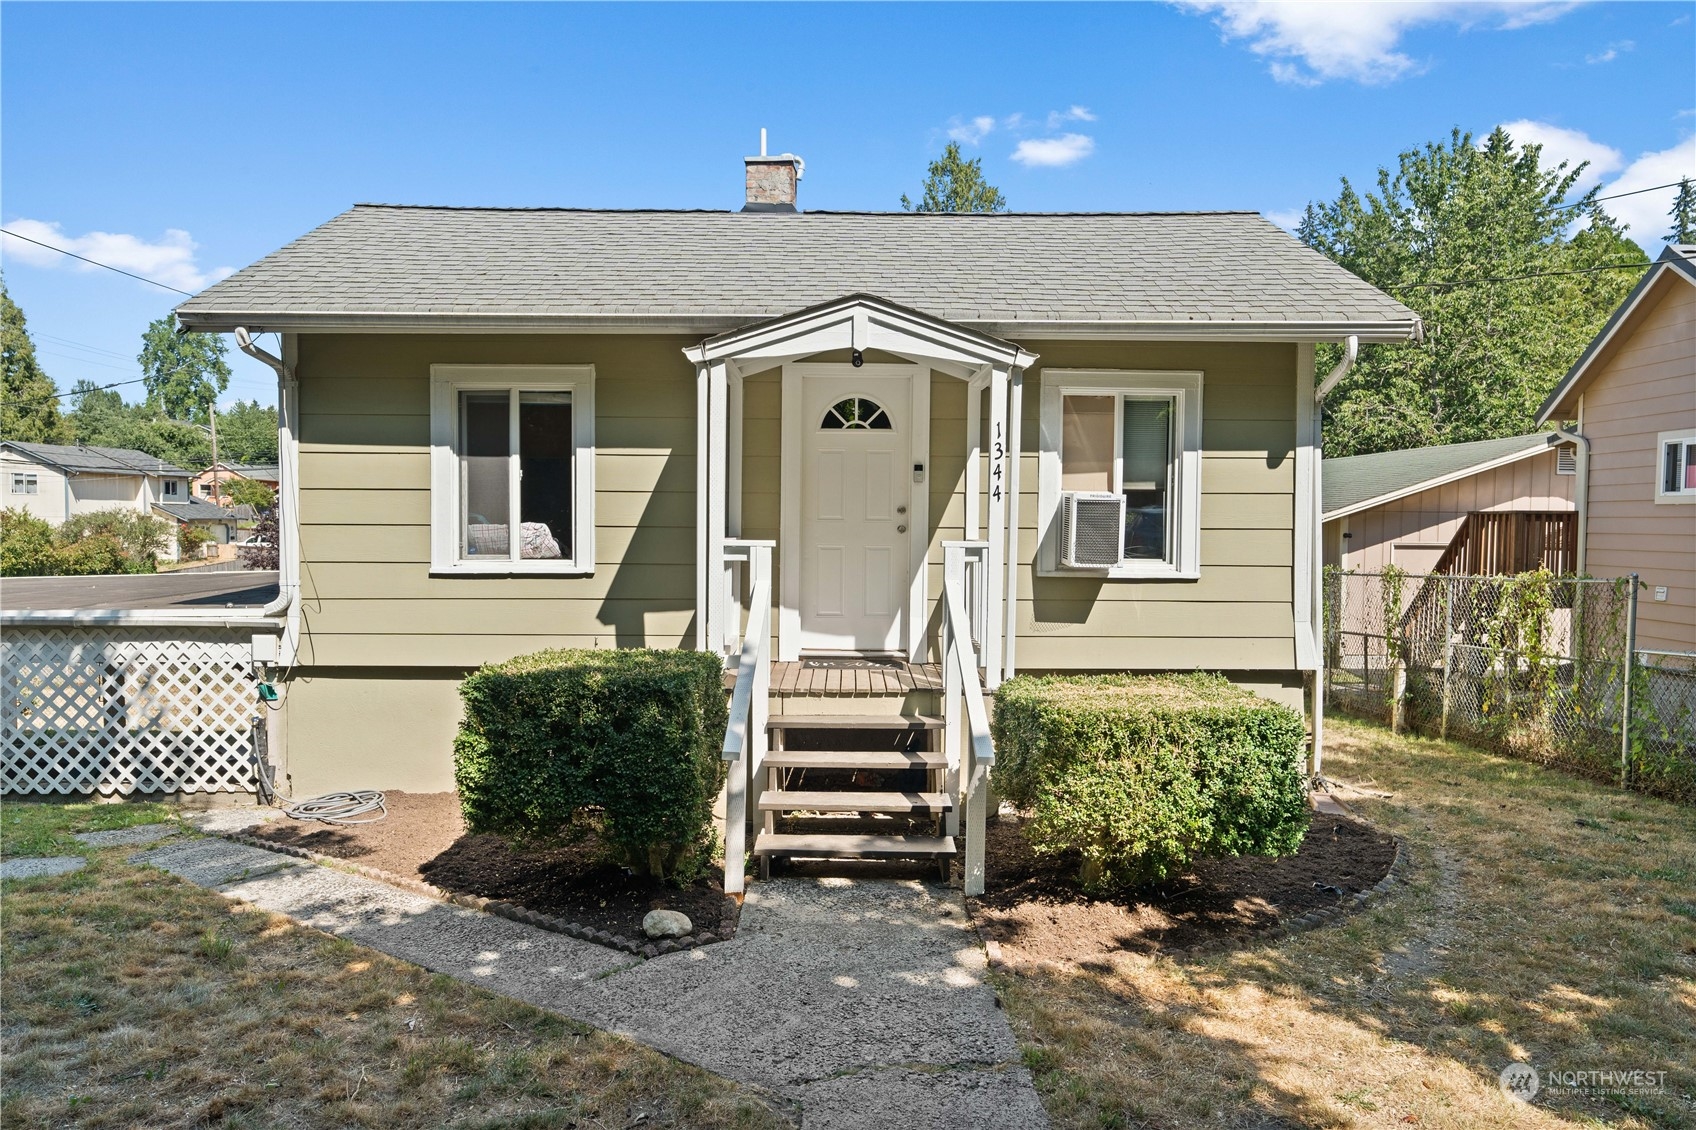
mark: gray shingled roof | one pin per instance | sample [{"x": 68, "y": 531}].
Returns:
[
  {"x": 194, "y": 510},
  {"x": 265, "y": 471},
  {"x": 710, "y": 271},
  {"x": 1355, "y": 479},
  {"x": 84, "y": 460}
]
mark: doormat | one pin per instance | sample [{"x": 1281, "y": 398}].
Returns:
[{"x": 853, "y": 661}]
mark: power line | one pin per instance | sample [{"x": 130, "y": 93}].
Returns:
[
  {"x": 1532, "y": 275},
  {"x": 74, "y": 392},
  {"x": 98, "y": 263},
  {"x": 1618, "y": 195}
]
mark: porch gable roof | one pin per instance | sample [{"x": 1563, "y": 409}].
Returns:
[{"x": 859, "y": 322}]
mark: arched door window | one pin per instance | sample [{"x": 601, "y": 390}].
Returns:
[{"x": 856, "y": 412}]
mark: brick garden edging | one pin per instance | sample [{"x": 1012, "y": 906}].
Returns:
[
  {"x": 1350, "y": 904},
  {"x": 636, "y": 947}
]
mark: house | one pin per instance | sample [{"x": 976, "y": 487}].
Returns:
[
  {"x": 202, "y": 485},
  {"x": 1630, "y": 404},
  {"x": 56, "y": 481},
  {"x": 791, "y": 438},
  {"x": 1492, "y": 506}
]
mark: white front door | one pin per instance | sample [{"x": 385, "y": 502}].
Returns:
[{"x": 855, "y": 511}]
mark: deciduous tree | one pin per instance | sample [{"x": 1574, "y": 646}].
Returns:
[
  {"x": 184, "y": 373},
  {"x": 1511, "y": 279}
]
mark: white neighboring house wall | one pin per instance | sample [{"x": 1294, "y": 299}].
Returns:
[{"x": 58, "y": 496}]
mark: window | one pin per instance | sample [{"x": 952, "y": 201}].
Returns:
[
  {"x": 856, "y": 413},
  {"x": 512, "y": 469},
  {"x": 1135, "y": 436},
  {"x": 206, "y": 489},
  {"x": 171, "y": 488},
  {"x": 23, "y": 483},
  {"x": 1675, "y": 471}
]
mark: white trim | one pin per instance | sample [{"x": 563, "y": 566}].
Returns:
[
  {"x": 506, "y": 322},
  {"x": 795, "y": 431},
  {"x": 1307, "y": 504},
  {"x": 995, "y": 493},
  {"x": 1599, "y": 345},
  {"x": 704, "y": 566},
  {"x": 1687, "y": 437},
  {"x": 1441, "y": 480},
  {"x": 1185, "y": 387},
  {"x": 446, "y": 382}
]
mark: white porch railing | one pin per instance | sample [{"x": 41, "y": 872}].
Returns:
[
  {"x": 745, "y": 736},
  {"x": 970, "y": 748}
]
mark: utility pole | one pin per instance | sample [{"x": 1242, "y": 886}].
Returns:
[{"x": 217, "y": 493}]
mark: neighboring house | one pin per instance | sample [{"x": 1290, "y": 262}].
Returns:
[
  {"x": 529, "y": 428},
  {"x": 1493, "y": 506},
  {"x": 56, "y": 481},
  {"x": 1631, "y": 398},
  {"x": 222, "y": 473}
]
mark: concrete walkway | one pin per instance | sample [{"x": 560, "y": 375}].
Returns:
[{"x": 862, "y": 1002}]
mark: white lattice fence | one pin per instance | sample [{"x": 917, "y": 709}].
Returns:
[{"x": 119, "y": 710}]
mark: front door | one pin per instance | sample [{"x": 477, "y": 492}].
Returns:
[{"x": 855, "y": 483}]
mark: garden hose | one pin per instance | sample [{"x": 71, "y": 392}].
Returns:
[{"x": 340, "y": 808}]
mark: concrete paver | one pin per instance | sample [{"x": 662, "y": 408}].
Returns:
[
  {"x": 864, "y": 1002},
  {"x": 134, "y": 836},
  {"x": 39, "y": 867}
]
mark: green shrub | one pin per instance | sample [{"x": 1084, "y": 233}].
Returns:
[
  {"x": 26, "y": 545},
  {"x": 1138, "y": 775},
  {"x": 634, "y": 735}
]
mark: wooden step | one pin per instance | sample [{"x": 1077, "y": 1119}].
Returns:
[
  {"x": 874, "y": 759},
  {"x": 777, "y": 843},
  {"x": 773, "y": 800},
  {"x": 854, "y": 722}
]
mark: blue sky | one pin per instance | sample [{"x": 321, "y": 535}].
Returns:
[{"x": 182, "y": 141}]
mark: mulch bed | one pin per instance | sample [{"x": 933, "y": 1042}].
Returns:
[
  {"x": 1035, "y": 912},
  {"x": 424, "y": 838}
]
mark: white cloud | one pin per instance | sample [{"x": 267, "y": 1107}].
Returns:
[
  {"x": 1646, "y": 212},
  {"x": 170, "y": 259},
  {"x": 1611, "y": 52},
  {"x": 1053, "y": 152},
  {"x": 1307, "y": 43},
  {"x": 1286, "y": 218},
  {"x": 1569, "y": 145},
  {"x": 972, "y": 132},
  {"x": 1058, "y": 118}
]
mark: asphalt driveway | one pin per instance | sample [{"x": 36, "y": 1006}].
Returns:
[{"x": 192, "y": 589}]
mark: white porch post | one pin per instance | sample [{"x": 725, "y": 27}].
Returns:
[
  {"x": 718, "y": 618},
  {"x": 703, "y": 486},
  {"x": 733, "y": 465},
  {"x": 974, "y": 454},
  {"x": 1015, "y": 444},
  {"x": 996, "y": 488}
]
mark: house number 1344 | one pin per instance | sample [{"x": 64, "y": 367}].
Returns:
[{"x": 996, "y": 455}]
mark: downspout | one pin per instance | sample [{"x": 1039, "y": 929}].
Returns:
[
  {"x": 1581, "y": 494},
  {"x": 288, "y": 489},
  {"x": 1351, "y": 353}
]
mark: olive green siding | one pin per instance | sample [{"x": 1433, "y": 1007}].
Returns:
[{"x": 370, "y": 599}]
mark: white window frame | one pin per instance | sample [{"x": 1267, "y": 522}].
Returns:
[
  {"x": 446, "y": 383},
  {"x": 169, "y": 489},
  {"x": 1184, "y": 387},
  {"x": 1663, "y": 497},
  {"x": 25, "y": 482}
]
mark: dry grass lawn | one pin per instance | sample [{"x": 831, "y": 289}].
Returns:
[
  {"x": 134, "y": 999},
  {"x": 1548, "y": 920}
]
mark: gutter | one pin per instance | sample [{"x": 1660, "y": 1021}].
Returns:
[{"x": 288, "y": 490}]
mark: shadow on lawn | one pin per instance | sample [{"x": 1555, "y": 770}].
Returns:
[{"x": 1541, "y": 923}]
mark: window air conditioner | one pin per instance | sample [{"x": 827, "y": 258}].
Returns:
[{"x": 1092, "y": 529}]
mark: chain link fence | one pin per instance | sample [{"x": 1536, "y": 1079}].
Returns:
[{"x": 1533, "y": 665}]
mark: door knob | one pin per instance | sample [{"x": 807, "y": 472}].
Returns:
[
  {"x": 900, "y": 529},
  {"x": 900, "y": 509}
]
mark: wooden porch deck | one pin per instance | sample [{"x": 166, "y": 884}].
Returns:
[{"x": 851, "y": 677}]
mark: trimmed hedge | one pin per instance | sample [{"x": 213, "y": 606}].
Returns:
[
  {"x": 633, "y": 734},
  {"x": 1139, "y": 775}
]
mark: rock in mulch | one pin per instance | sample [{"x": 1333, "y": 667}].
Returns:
[
  {"x": 666, "y": 924},
  {"x": 41, "y": 866},
  {"x": 128, "y": 837}
]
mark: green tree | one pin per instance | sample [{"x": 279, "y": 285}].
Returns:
[
  {"x": 1683, "y": 214},
  {"x": 184, "y": 372},
  {"x": 29, "y": 400},
  {"x": 101, "y": 418},
  {"x": 248, "y": 492},
  {"x": 955, "y": 184},
  {"x": 1476, "y": 239},
  {"x": 247, "y": 433}
]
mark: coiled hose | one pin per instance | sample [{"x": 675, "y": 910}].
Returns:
[{"x": 331, "y": 808}]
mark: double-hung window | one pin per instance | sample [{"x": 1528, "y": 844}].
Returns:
[
  {"x": 512, "y": 467},
  {"x": 1121, "y": 469},
  {"x": 24, "y": 483},
  {"x": 1675, "y": 467}
]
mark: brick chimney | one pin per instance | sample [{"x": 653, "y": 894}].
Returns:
[{"x": 772, "y": 180}]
